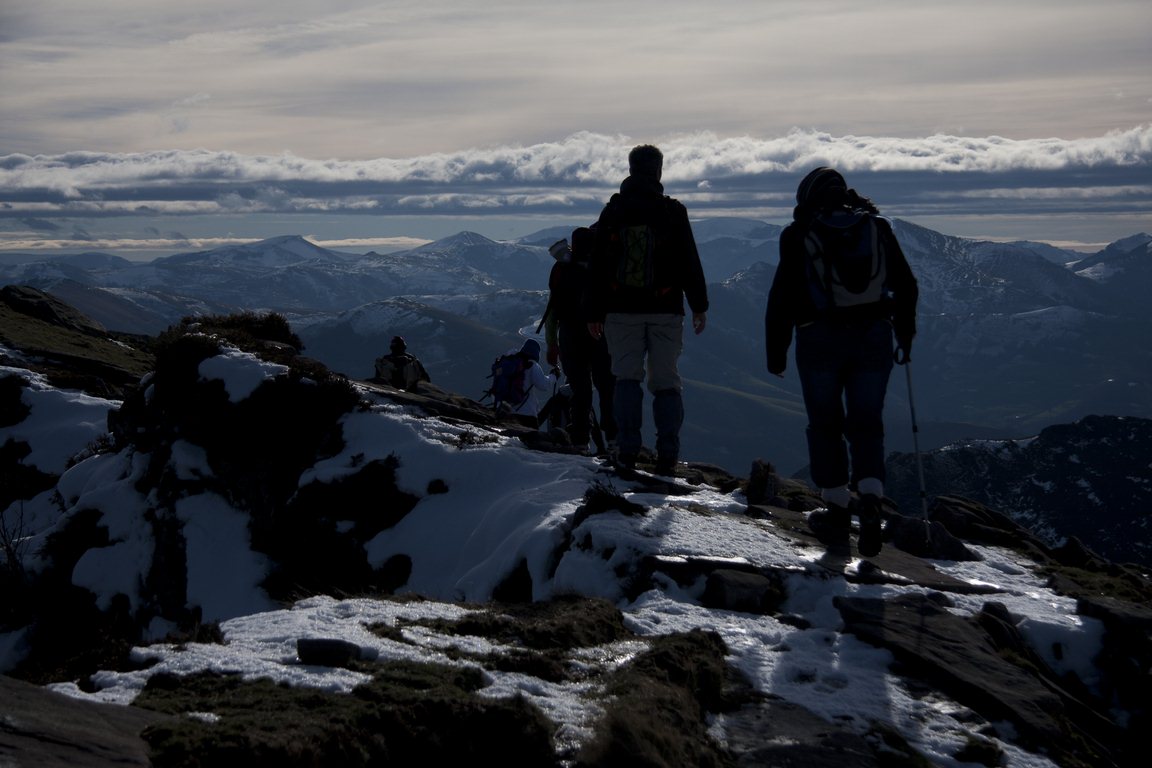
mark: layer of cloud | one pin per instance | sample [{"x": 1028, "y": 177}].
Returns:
[{"x": 576, "y": 174}]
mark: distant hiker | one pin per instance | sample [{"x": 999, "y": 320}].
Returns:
[
  {"x": 845, "y": 287},
  {"x": 518, "y": 382},
  {"x": 399, "y": 368},
  {"x": 644, "y": 264},
  {"x": 584, "y": 359}
]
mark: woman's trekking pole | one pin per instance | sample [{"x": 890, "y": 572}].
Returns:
[{"x": 916, "y": 438}]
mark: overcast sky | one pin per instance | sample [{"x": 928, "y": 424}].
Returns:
[{"x": 127, "y": 121}]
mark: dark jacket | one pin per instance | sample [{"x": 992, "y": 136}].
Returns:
[
  {"x": 790, "y": 302},
  {"x": 678, "y": 273},
  {"x": 567, "y": 283}
]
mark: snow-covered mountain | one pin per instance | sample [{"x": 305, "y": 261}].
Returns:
[
  {"x": 291, "y": 275},
  {"x": 1013, "y": 336}
]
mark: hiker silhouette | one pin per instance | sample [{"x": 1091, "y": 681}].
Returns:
[
  {"x": 399, "y": 368},
  {"x": 844, "y": 287},
  {"x": 584, "y": 360},
  {"x": 644, "y": 265}
]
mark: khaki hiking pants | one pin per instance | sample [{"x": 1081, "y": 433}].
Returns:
[{"x": 652, "y": 339}]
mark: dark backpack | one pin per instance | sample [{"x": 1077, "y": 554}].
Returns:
[
  {"x": 638, "y": 253},
  {"x": 508, "y": 380},
  {"x": 847, "y": 265}
]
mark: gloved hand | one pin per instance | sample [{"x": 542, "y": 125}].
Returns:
[{"x": 553, "y": 354}]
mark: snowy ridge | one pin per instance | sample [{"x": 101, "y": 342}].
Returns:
[{"x": 506, "y": 504}]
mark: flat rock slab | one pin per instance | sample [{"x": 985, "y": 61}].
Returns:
[
  {"x": 960, "y": 657},
  {"x": 40, "y": 728}
]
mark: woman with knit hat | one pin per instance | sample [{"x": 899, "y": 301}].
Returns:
[{"x": 844, "y": 288}]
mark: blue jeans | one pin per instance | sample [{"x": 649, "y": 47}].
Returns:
[
  {"x": 667, "y": 416},
  {"x": 844, "y": 372},
  {"x": 647, "y": 346}
]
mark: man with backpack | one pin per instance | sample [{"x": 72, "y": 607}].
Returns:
[
  {"x": 584, "y": 360},
  {"x": 399, "y": 368},
  {"x": 846, "y": 289},
  {"x": 644, "y": 265}
]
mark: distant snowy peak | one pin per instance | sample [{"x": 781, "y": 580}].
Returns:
[
  {"x": 545, "y": 237},
  {"x": 478, "y": 260},
  {"x": 1059, "y": 256},
  {"x": 734, "y": 227},
  {"x": 1141, "y": 242},
  {"x": 276, "y": 252},
  {"x": 458, "y": 243},
  {"x": 914, "y": 238},
  {"x": 1023, "y": 252},
  {"x": 1130, "y": 257}
]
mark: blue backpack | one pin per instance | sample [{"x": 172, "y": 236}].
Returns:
[{"x": 508, "y": 381}]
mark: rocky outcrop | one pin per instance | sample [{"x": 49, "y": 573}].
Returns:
[
  {"x": 1087, "y": 479},
  {"x": 50, "y": 730}
]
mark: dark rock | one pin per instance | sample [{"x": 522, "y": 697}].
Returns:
[
  {"x": 733, "y": 590},
  {"x": 973, "y": 522},
  {"x": 42, "y": 728},
  {"x": 926, "y": 538},
  {"x": 762, "y": 483},
  {"x": 327, "y": 652},
  {"x": 774, "y": 733}
]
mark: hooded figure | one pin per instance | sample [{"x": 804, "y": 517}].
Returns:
[
  {"x": 537, "y": 383},
  {"x": 845, "y": 289}
]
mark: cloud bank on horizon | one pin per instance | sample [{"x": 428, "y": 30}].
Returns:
[
  {"x": 918, "y": 179},
  {"x": 198, "y": 120}
]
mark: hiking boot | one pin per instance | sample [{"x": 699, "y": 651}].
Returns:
[
  {"x": 871, "y": 539},
  {"x": 665, "y": 466},
  {"x": 830, "y": 525},
  {"x": 625, "y": 461}
]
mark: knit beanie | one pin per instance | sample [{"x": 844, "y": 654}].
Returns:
[
  {"x": 646, "y": 160},
  {"x": 397, "y": 346},
  {"x": 818, "y": 186}
]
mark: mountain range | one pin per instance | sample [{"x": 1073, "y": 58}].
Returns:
[{"x": 1013, "y": 337}]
